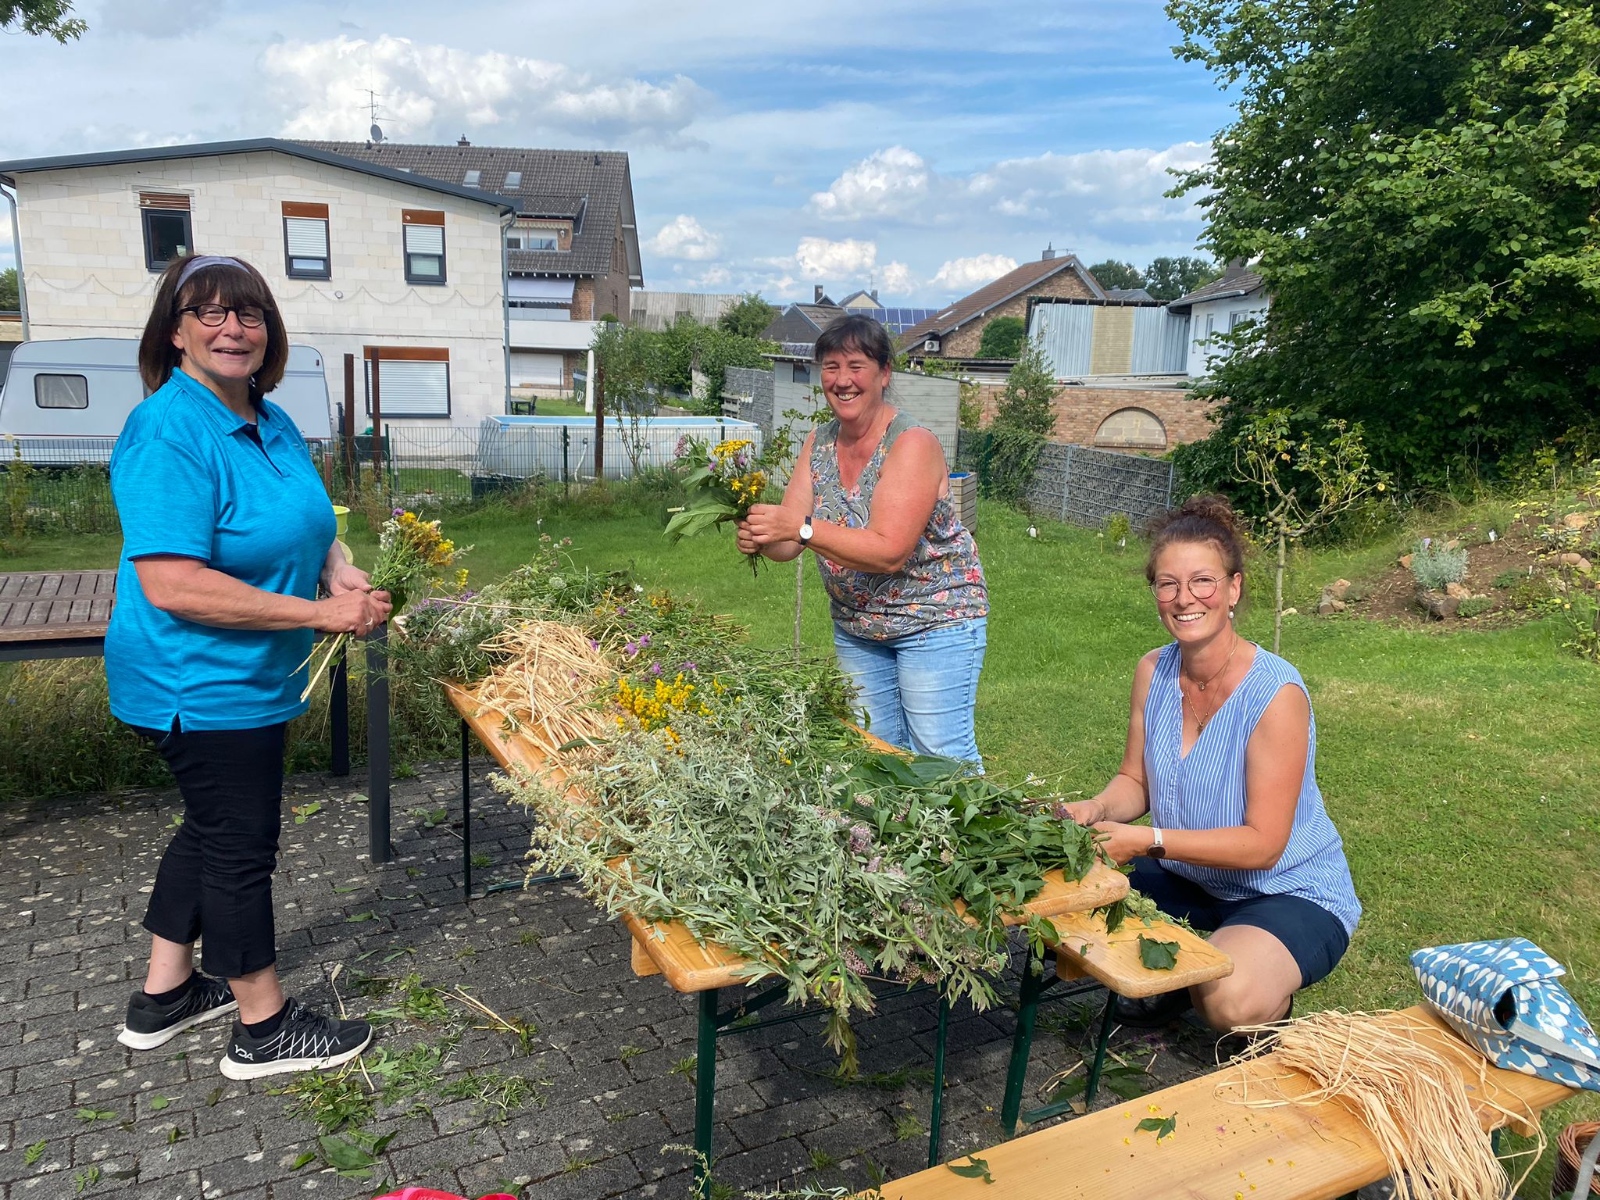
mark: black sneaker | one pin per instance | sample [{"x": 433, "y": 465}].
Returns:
[
  {"x": 306, "y": 1041},
  {"x": 150, "y": 1024}
]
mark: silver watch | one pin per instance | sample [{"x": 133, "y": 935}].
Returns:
[{"x": 806, "y": 530}]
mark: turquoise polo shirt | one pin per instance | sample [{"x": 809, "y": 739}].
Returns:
[{"x": 189, "y": 480}]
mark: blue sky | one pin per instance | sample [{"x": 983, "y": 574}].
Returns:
[{"x": 923, "y": 148}]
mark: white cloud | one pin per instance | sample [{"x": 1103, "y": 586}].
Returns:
[
  {"x": 1073, "y": 192},
  {"x": 967, "y": 274},
  {"x": 892, "y": 182},
  {"x": 895, "y": 279},
  {"x": 433, "y": 92},
  {"x": 819, "y": 259},
  {"x": 684, "y": 237}
]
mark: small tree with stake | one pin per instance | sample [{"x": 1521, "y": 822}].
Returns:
[{"x": 1304, "y": 483}]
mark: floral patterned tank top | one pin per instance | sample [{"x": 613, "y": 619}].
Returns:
[{"x": 941, "y": 583}]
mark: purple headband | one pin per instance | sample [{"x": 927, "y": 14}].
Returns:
[{"x": 207, "y": 260}]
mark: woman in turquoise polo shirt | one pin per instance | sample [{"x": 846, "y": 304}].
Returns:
[{"x": 227, "y": 535}]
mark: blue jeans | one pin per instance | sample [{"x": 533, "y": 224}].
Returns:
[{"x": 918, "y": 692}]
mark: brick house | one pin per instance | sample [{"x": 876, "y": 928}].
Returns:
[{"x": 956, "y": 331}]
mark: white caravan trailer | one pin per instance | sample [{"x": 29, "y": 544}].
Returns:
[{"x": 65, "y": 402}]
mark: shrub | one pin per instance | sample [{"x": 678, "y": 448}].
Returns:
[
  {"x": 1117, "y": 528},
  {"x": 1433, "y": 565},
  {"x": 1003, "y": 337},
  {"x": 1474, "y": 605},
  {"x": 1508, "y": 579}
]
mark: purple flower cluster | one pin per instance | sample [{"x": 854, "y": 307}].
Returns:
[
  {"x": 860, "y": 839},
  {"x": 634, "y": 649},
  {"x": 853, "y": 960}
]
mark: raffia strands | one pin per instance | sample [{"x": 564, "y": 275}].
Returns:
[
  {"x": 544, "y": 686},
  {"x": 1399, "y": 1079}
]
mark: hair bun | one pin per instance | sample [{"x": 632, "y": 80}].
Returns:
[{"x": 1212, "y": 507}]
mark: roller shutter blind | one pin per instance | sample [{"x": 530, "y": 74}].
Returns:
[
  {"x": 411, "y": 388},
  {"x": 536, "y": 370}
]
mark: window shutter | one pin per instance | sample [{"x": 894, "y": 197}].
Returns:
[
  {"x": 425, "y": 239},
  {"x": 412, "y": 387},
  {"x": 307, "y": 237},
  {"x": 164, "y": 200}
]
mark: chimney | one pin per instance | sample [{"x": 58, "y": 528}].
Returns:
[
  {"x": 874, "y": 294},
  {"x": 1236, "y": 267},
  {"x": 1049, "y": 253},
  {"x": 817, "y": 294},
  {"x": 462, "y": 141}
]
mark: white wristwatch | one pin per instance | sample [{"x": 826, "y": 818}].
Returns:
[
  {"x": 1158, "y": 847},
  {"x": 806, "y": 530}
]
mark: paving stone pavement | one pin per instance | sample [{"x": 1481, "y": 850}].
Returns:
[{"x": 609, "y": 1062}]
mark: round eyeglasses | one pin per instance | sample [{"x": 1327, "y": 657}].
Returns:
[
  {"x": 213, "y": 316},
  {"x": 1201, "y": 587}
]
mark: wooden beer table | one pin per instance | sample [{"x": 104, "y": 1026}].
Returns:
[{"x": 704, "y": 969}]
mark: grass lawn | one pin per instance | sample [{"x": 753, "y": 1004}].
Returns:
[{"x": 1459, "y": 766}]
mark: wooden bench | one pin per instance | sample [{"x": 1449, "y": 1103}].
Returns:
[
  {"x": 1086, "y": 951},
  {"x": 1220, "y": 1148},
  {"x": 704, "y": 969}
]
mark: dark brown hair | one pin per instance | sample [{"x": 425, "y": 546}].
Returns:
[
  {"x": 858, "y": 333},
  {"x": 1199, "y": 519},
  {"x": 221, "y": 284}
]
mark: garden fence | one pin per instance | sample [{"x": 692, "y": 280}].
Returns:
[{"x": 1081, "y": 485}]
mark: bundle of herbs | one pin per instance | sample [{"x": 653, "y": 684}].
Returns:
[{"x": 784, "y": 840}]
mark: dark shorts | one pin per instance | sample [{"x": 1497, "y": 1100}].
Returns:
[{"x": 1308, "y": 931}]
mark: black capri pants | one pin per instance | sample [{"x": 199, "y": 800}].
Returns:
[{"x": 215, "y": 879}]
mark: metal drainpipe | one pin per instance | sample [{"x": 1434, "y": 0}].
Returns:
[
  {"x": 506, "y": 222},
  {"x": 16, "y": 254}
]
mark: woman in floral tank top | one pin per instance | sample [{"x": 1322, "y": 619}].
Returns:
[{"x": 871, "y": 497}]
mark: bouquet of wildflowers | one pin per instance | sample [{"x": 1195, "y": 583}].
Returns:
[
  {"x": 411, "y": 553},
  {"x": 723, "y": 482}
]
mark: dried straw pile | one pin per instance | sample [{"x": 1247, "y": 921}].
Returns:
[
  {"x": 548, "y": 688},
  {"x": 1404, "y": 1085}
]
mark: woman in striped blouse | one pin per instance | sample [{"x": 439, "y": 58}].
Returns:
[{"x": 1222, "y": 754}]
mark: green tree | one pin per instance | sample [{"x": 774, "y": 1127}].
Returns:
[
  {"x": 1420, "y": 183},
  {"x": 1304, "y": 483},
  {"x": 1024, "y": 417},
  {"x": 1116, "y": 274},
  {"x": 47, "y": 18},
  {"x": 748, "y": 318},
  {"x": 1003, "y": 337},
  {"x": 9, "y": 296},
  {"x": 1167, "y": 278},
  {"x": 1029, "y": 397}
]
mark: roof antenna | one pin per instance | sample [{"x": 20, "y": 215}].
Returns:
[{"x": 375, "y": 134}]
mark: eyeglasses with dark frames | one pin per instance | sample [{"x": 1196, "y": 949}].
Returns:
[
  {"x": 1201, "y": 587},
  {"x": 213, "y": 316}
]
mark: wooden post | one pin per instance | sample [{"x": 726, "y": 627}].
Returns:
[
  {"x": 377, "y": 417},
  {"x": 599, "y": 425},
  {"x": 347, "y": 433}
]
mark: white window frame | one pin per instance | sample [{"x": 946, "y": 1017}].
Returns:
[{"x": 406, "y": 373}]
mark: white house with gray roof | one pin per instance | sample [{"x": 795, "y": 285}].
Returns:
[
  {"x": 398, "y": 252},
  {"x": 1220, "y": 307}
]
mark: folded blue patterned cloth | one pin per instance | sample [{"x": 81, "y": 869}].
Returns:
[{"x": 1503, "y": 998}]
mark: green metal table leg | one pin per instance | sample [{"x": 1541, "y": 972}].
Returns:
[
  {"x": 705, "y": 1092},
  {"x": 1106, "y": 1023},
  {"x": 936, "y": 1122},
  {"x": 1022, "y": 1042}
]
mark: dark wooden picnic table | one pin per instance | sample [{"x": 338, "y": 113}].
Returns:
[
  {"x": 55, "y": 614},
  {"x": 64, "y": 614}
]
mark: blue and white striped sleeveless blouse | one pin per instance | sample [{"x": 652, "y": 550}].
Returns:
[{"x": 1206, "y": 790}]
